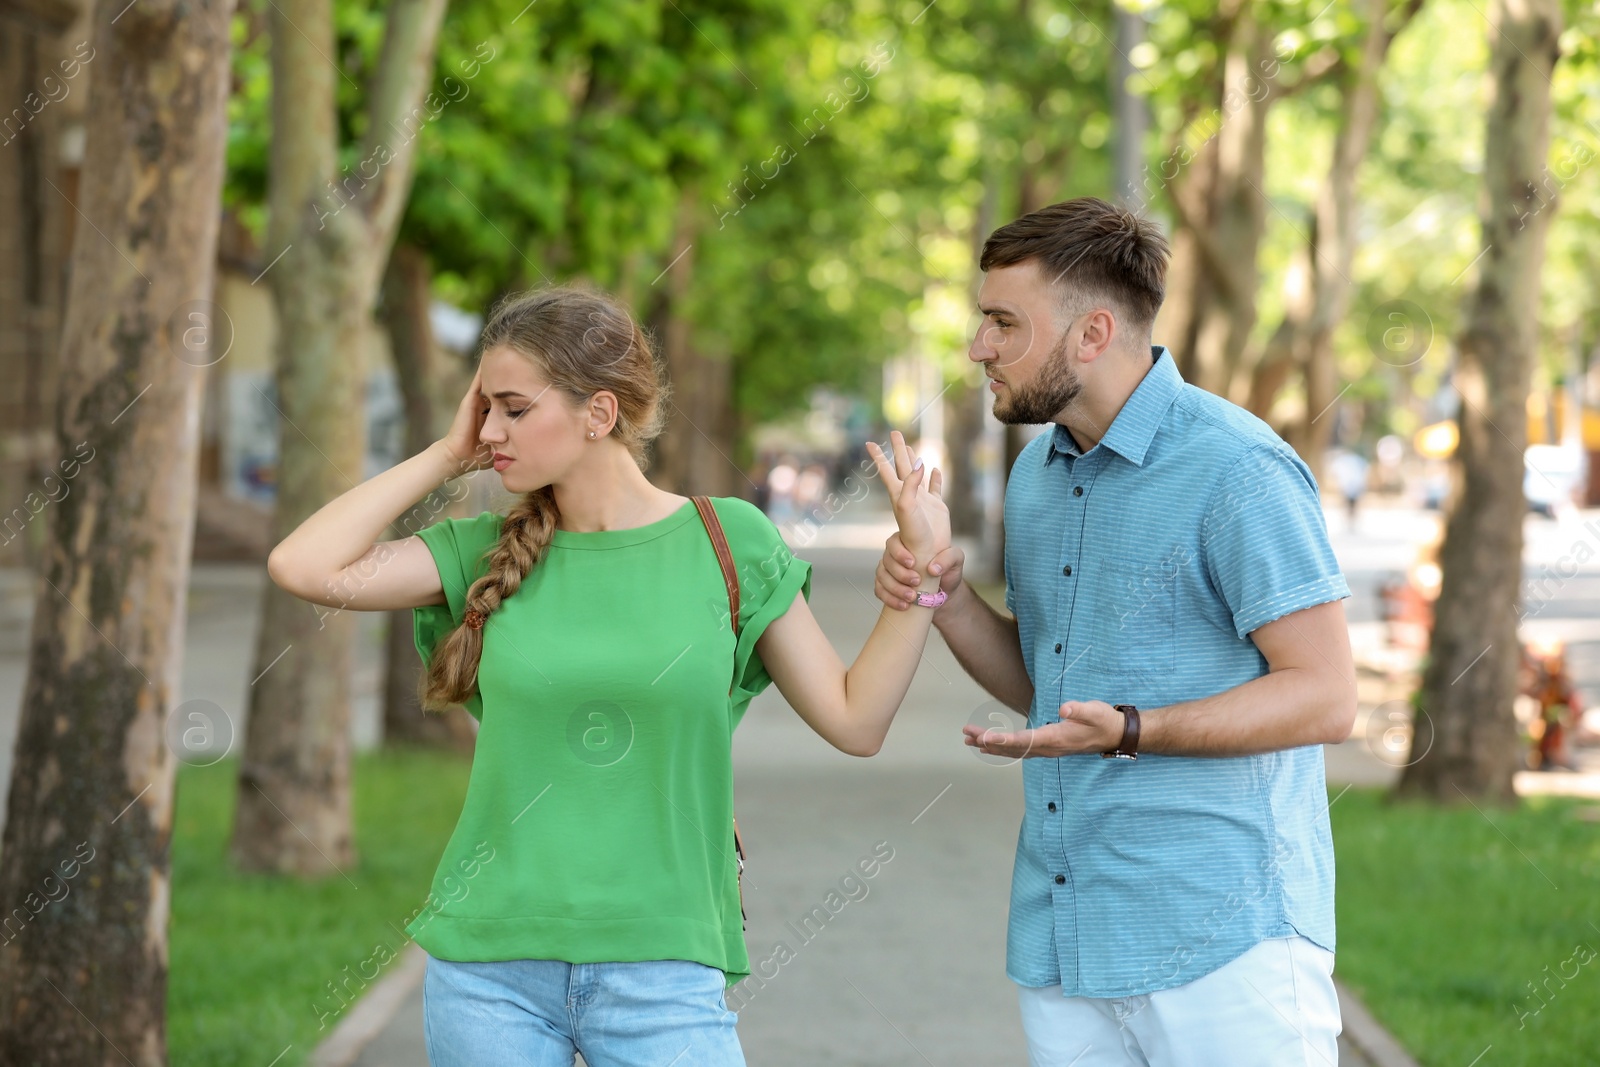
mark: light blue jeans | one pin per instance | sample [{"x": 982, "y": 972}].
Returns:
[{"x": 537, "y": 1013}]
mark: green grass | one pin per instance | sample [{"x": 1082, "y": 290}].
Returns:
[
  {"x": 1446, "y": 914},
  {"x": 251, "y": 956}
]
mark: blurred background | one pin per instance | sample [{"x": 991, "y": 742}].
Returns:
[{"x": 245, "y": 251}]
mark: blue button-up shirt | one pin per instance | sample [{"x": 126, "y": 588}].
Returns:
[{"x": 1136, "y": 572}]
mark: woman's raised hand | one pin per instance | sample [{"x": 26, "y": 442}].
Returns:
[
  {"x": 461, "y": 442},
  {"x": 914, "y": 491}
]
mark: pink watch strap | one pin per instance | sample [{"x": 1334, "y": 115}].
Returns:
[{"x": 932, "y": 600}]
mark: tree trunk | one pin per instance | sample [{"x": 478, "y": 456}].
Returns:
[
  {"x": 1466, "y": 741},
  {"x": 1012, "y": 443},
  {"x": 1333, "y": 233},
  {"x": 407, "y": 294},
  {"x": 964, "y": 411},
  {"x": 85, "y": 859},
  {"x": 695, "y": 452},
  {"x": 1130, "y": 114},
  {"x": 967, "y": 403},
  {"x": 333, "y": 231},
  {"x": 1273, "y": 369},
  {"x": 1221, "y": 208},
  {"x": 39, "y": 40}
]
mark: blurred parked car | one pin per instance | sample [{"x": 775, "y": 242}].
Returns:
[{"x": 1552, "y": 477}]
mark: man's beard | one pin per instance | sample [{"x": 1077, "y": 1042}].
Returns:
[{"x": 1042, "y": 399}]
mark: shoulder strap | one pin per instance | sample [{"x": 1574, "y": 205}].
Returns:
[{"x": 719, "y": 541}]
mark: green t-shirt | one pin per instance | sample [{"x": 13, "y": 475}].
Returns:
[{"x": 598, "y": 823}]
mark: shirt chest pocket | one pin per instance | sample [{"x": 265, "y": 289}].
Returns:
[{"x": 1133, "y": 615}]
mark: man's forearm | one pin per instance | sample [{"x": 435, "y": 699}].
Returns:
[
  {"x": 987, "y": 646},
  {"x": 1285, "y": 709}
]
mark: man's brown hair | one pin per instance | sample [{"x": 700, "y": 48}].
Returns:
[{"x": 1092, "y": 251}]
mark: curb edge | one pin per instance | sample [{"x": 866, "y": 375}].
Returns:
[
  {"x": 1367, "y": 1034},
  {"x": 372, "y": 1012}
]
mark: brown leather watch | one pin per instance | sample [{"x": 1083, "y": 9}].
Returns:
[{"x": 1128, "y": 747}]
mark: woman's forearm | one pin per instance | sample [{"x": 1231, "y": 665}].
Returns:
[
  {"x": 876, "y": 684},
  {"x": 344, "y": 529}
]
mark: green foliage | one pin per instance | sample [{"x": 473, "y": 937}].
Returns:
[
  {"x": 831, "y": 163},
  {"x": 824, "y": 159}
]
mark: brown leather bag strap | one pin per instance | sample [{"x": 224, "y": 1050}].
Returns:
[
  {"x": 719, "y": 541},
  {"x": 730, "y": 578}
]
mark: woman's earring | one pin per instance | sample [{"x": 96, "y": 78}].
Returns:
[{"x": 591, "y": 433}]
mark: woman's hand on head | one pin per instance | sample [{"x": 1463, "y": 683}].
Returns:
[
  {"x": 462, "y": 443},
  {"x": 915, "y": 492}
]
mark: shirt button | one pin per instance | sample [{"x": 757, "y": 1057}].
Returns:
[
  {"x": 1061, "y": 879},
  {"x": 1077, "y": 490},
  {"x": 1052, "y": 805},
  {"x": 1058, "y": 647},
  {"x": 1067, "y": 570}
]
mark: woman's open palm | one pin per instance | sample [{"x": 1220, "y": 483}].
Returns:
[{"x": 919, "y": 507}]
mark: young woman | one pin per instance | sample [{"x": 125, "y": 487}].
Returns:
[{"x": 589, "y": 898}]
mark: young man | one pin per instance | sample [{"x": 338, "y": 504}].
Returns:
[{"x": 1180, "y": 649}]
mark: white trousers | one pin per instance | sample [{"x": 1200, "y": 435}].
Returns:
[{"x": 1274, "y": 1006}]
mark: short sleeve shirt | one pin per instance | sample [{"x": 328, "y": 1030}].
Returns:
[
  {"x": 1136, "y": 571},
  {"x": 598, "y": 821}
]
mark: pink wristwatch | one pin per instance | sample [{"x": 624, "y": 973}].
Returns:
[{"x": 932, "y": 600}]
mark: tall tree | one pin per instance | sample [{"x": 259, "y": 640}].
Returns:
[
  {"x": 1217, "y": 188},
  {"x": 1221, "y": 208},
  {"x": 407, "y": 297},
  {"x": 700, "y": 420},
  {"x": 967, "y": 405},
  {"x": 332, "y": 228},
  {"x": 1038, "y": 104},
  {"x": 85, "y": 858},
  {"x": 1465, "y": 730},
  {"x": 1304, "y": 339},
  {"x": 615, "y": 143}
]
